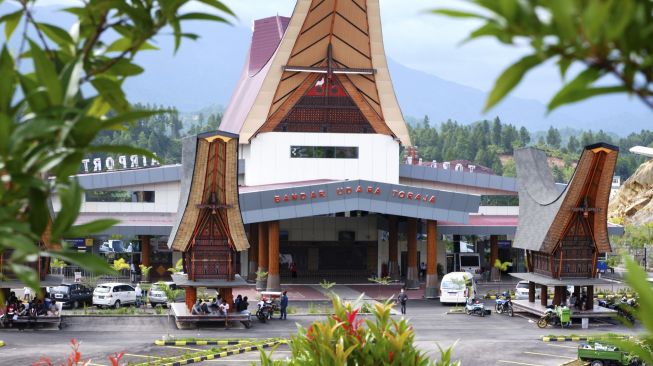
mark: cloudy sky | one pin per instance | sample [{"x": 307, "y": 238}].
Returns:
[{"x": 431, "y": 43}]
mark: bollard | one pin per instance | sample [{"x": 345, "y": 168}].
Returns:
[{"x": 585, "y": 322}]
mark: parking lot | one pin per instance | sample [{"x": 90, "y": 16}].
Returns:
[{"x": 492, "y": 340}]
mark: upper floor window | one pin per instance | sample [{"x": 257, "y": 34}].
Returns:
[
  {"x": 324, "y": 152},
  {"x": 119, "y": 196}
]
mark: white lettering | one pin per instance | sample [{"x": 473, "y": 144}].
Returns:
[
  {"x": 85, "y": 162},
  {"x": 144, "y": 161},
  {"x": 471, "y": 168},
  {"x": 109, "y": 163},
  {"x": 445, "y": 165},
  {"x": 154, "y": 162},
  {"x": 122, "y": 160},
  {"x": 134, "y": 161},
  {"x": 97, "y": 165},
  {"x": 459, "y": 167}
]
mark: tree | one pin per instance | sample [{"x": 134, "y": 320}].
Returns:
[
  {"x": 496, "y": 131},
  {"x": 553, "y": 137},
  {"x": 53, "y": 108},
  {"x": 572, "y": 145},
  {"x": 600, "y": 37},
  {"x": 524, "y": 137}
]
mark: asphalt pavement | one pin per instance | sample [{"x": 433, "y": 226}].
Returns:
[{"x": 492, "y": 340}]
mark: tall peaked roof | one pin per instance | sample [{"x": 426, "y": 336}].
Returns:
[
  {"x": 546, "y": 213},
  {"x": 337, "y": 42},
  {"x": 208, "y": 198}
]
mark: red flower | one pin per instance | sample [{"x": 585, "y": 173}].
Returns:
[
  {"x": 115, "y": 359},
  {"x": 391, "y": 356}
]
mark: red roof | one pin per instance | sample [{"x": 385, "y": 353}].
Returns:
[
  {"x": 265, "y": 40},
  {"x": 485, "y": 220}
]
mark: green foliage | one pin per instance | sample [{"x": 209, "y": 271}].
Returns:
[
  {"x": 326, "y": 284},
  {"x": 120, "y": 264},
  {"x": 58, "y": 263},
  {"x": 636, "y": 237},
  {"x": 58, "y": 91},
  {"x": 599, "y": 37},
  {"x": 344, "y": 339},
  {"x": 145, "y": 271},
  {"x": 502, "y": 266},
  {"x": 178, "y": 268},
  {"x": 642, "y": 348},
  {"x": 381, "y": 280},
  {"x": 261, "y": 275}
]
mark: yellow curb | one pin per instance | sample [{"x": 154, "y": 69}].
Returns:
[{"x": 2, "y": 343}]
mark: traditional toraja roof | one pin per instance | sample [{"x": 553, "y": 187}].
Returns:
[
  {"x": 545, "y": 213},
  {"x": 209, "y": 186},
  {"x": 337, "y": 43}
]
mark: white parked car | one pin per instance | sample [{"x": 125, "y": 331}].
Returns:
[
  {"x": 114, "y": 295},
  {"x": 157, "y": 293},
  {"x": 521, "y": 291}
]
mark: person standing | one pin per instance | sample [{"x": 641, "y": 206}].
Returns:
[
  {"x": 422, "y": 270},
  {"x": 27, "y": 294},
  {"x": 402, "y": 299},
  {"x": 283, "y": 305},
  {"x": 139, "y": 295},
  {"x": 293, "y": 270}
]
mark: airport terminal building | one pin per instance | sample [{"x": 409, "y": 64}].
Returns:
[{"x": 322, "y": 182}]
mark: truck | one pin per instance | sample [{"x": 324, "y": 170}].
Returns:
[{"x": 605, "y": 354}]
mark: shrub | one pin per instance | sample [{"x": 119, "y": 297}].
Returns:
[{"x": 343, "y": 339}]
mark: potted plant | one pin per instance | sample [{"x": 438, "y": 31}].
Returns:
[
  {"x": 261, "y": 277},
  {"x": 58, "y": 264},
  {"x": 145, "y": 272},
  {"x": 178, "y": 268}
]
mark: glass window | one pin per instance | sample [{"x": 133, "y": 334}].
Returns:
[
  {"x": 119, "y": 196},
  {"x": 324, "y": 152},
  {"x": 348, "y": 152}
]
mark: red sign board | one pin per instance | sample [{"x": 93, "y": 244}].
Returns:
[{"x": 348, "y": 190}]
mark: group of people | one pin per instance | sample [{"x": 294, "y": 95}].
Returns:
[
  {"x": 29, "y": 307},
  {"x": 219, "y": 306}
]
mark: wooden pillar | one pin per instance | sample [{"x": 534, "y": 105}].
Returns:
[
  {"x": 544, "y": 296},
  {"x": 557, "y": 294},
  {"x": 531, "y": 291},
  {"x": 227, "y": 295},
  {"x": 494, "y": 255},
  {"x": 589, "y": 305},
  {"x": 274, "y": 282},
  {"x": 393, "y": 247},
  {"x": 145, "y": 250},
  {"x": 431, "y": 290},
  {"x": 252, "y": 253},
  {"x": 191, "y": 297},
  {"x": 262, "y": 254},
  {"x": 412, "y": 281}
]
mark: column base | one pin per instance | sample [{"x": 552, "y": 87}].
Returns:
[
  {"x": 431, "y": 290},
  {"x": 251, "y": 275},
  {"x": 261, "y": 284},
  {"x": 412, "y": 280},
  {"x": 274, "y": 283},
  {"x": 431, "y": 293},
  {"x": 393, "y": 271}
]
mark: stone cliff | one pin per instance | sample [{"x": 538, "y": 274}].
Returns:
[{"x": 634, "y": 200}]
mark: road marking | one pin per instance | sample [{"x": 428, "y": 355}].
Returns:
[
  {"x": 549, "y": 355},
  {"x": 144, "y": 356},
  {"x": 519, "y": 363},
  {"x": 188, "y": 348},
  {"x": 94, "y": 364},
  {"x": 561, "y": 346}
]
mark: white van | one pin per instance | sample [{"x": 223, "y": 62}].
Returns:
[
  {"x": 456, "y": 286},
  {"x": 114, "y": 295}
]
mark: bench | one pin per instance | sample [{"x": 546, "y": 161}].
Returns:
[{"x": 183, "y": 321}]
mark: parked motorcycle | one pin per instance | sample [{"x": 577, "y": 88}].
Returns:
[
  {"x": 474, "y": 306},
  {"x": 504, "y": 304},
  {"x": 624, "y": 308},
  {"x": 560, "y": 315},
  {"x": 265, "y": 310}
]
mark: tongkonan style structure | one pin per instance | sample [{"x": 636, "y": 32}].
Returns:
[
  {"x": 209, "y": 231},
  {"x": 564, "y": 228}
]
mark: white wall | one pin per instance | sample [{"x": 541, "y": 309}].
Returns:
[
  {"x": 166, "y": 199},
  {"x": 268, "y": 158}
]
